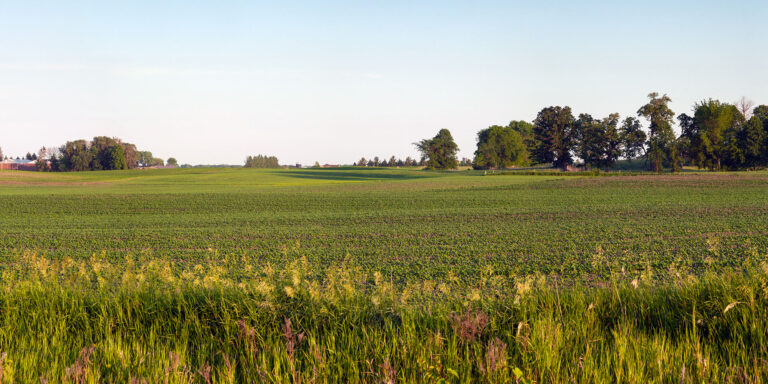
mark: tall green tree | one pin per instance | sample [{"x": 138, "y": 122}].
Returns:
[
  {"x": 115, "y": 155},
  {"x": 661, "y": 138},
  {"x": 717, "y": 125},
  {"x": 172, "y": 162},
  {"x": 689, "y": 139},
  {"x": 632, "y": 138},
  {"x": 586, "y": 138},
  {"x": 499, "y": 147},
  {"x": 611, "y": 141},
  {"x": 761, "y": 111},
  {"x": 144, "y": 158},
  {"x": 131, "y": 156},
  {"x": 597, "y": 141},
  {"x": 440, "y": 151},
  {"x": 100, "y": 157},
  {"x": 525, "y": 129},
  {"x": 752, "y": 141},
  {"x": 75, "y": 156},
  {"x": 553, "y": 133}
]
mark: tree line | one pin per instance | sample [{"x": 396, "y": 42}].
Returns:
[
  {"x": 101, "y": 153},
  {"x": 28, "y": 156},
  {"x": 261, "y": 161},
  {"x": 392, "y": 162},
  {"x": 717, "y": 136}
]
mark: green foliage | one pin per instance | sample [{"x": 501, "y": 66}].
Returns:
[
  {"x": 144, "y": 158},
  {"x": 761, "y": 111},
  {"x": 75, "y": 156},
  {"x": 260, "y": 161},
  {"x": 598, "y": 142},
  {"x": 525, "y": 129},
  {"x": 115, "y": 156},
  {"x": 632, "y": 138},
  {"x": 439, "y": 151},
  {"x": 229, "y": 318},
  {"x": 172, "y": 162},
  {"x": 752, "y": 140},
  {"x": 717, "y": 125},
  {"x": 662, "y": 148},
  {"x": 131, "y": 156},
  {"x": 554, "y": 136},
  {"x": 41, "y": 162},
  {"x": 102, "y": 153},
  {"x": 499, "y": 147}
]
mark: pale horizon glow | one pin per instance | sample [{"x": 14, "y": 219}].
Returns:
[{"x": 213, "y": 82}]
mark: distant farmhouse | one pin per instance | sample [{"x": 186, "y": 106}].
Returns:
[{"x": 18, "y": 165}]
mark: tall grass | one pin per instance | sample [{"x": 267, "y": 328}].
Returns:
[{"x": 231, "y": 320}]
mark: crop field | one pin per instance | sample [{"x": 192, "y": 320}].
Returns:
[
  {"x": 382, "y": 275},
  {"x": 406, "y": 224}
]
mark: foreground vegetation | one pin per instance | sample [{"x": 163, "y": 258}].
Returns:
[
  {"x": 350, "y": 275},
  {"x": 230, "y": 320}
]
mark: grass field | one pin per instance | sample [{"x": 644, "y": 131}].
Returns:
[{"x": 381, "y": 275}]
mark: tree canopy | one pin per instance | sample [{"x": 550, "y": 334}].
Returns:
[
  {"x": 661, "y": 138},
  {"x": 439, "y": 151},
  {"x": 597, "y": 141},
  {"x": 262, "y": 161},
  {"x": 101, "y": 153},
  {"x": 715, "y": 132},
  {"x": 632, "y": 138},
  {"x": 553, "y": 133},
  {"x": 499, "y": 147}
]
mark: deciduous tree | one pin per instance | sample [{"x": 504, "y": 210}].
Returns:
[
  {"x": 632, "y": 138},
  {"x": 115, "y": 156},
  {"x": 76, "y": 156},
  {"x": 440, "y": 151},
  {"x": 553, "y": 133},
  {"x": 752, "y": 141},
  {"x": 716, "y": 125},
  {"x": 499, "y": 147},
  {"x": 661, "y": 139}
]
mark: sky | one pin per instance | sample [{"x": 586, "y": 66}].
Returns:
[{"x": 211, "y": 82}]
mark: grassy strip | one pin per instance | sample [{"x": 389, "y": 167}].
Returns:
[
  {"x": 595, "y": 173},
  {"x": 95, "y": 320}
]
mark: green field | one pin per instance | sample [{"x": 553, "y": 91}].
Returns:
[
  {"x": 406, "y": 275},
  {"x": 405, "y": 223}
]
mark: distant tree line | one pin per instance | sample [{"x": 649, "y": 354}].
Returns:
[
  {"x": 260, "y": 161},
  {"x": 28, "y": 156},
  {"x": 392, "y": 162},
  {"x": 101, "y": 153},
  {"x": 718, "y": 136}
]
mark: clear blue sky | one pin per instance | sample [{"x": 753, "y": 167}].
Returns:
[{"x": 215, "y": 81}]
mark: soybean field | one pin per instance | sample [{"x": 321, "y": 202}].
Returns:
[{"x": 409, "y": 224}]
